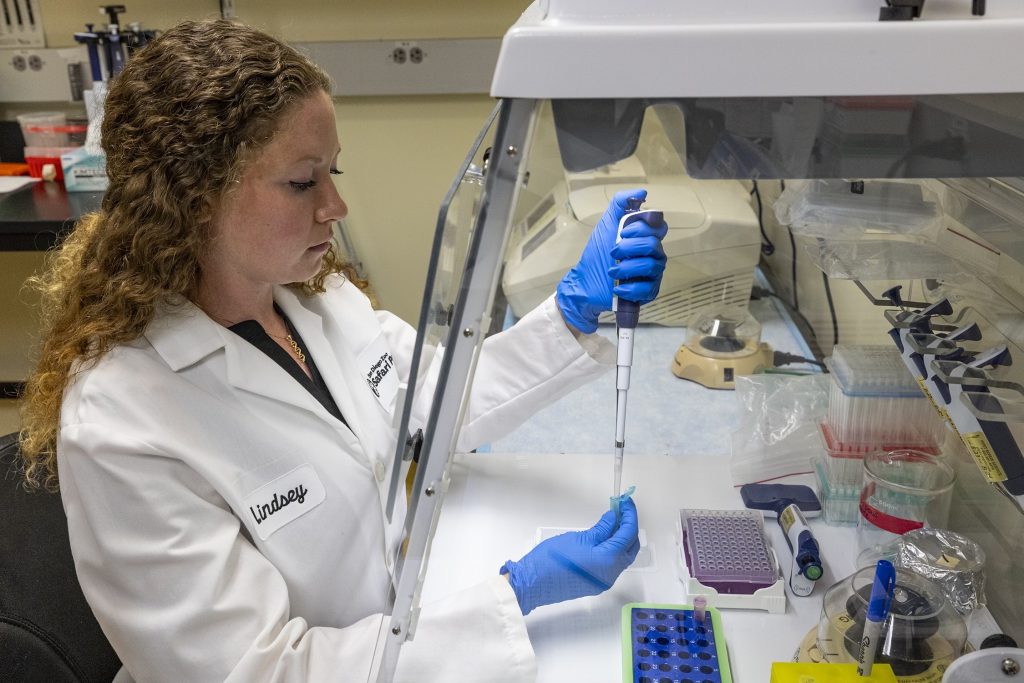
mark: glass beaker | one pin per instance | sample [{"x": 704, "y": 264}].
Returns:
[{"x": 903, "y": 490}]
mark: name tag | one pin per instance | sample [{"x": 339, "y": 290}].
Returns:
[
  {"x": 378, "y": 368},
  {"x": 283, "y": 500}
]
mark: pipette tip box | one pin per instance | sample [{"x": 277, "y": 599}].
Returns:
[
  {"x": 875, "y": 399},
  {"x": 672, "y": 642},
  {"x": 839, "y": 501},
  {"x": 845, "y": 462},
  {"x": 725, "y": 556}
]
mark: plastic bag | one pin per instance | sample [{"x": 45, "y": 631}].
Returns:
[
  {"x": 778, "y": 430},
  {"x": 829, "y": 208},
  {"x": 883, "y": 259}
]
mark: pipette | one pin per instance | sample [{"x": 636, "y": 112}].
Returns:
[{"x": 627, "y": 315}]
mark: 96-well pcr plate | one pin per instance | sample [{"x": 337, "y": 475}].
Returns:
[{"x": 726, "y": 550}]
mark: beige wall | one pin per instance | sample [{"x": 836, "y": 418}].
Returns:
[
  {"x": 399, "y": 157},
  {"x": 399, "y": 154},
  {"x": 306, "y": 21},
  {"x": 17, "y": 328}
]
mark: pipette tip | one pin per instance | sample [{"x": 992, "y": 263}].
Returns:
[{"x": 616, "y": 503}]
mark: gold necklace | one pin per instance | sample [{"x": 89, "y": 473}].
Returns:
[{"x": 295, "y": 347}]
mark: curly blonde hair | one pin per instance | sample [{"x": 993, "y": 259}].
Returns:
[{"x": 180, "y": 124}]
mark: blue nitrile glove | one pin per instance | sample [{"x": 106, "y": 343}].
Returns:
[
  {"x": 586, "y": 290},
  {"x": 577, "y": 563}
]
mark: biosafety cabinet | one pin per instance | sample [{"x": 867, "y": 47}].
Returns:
[{"x": 848, "y": 148}]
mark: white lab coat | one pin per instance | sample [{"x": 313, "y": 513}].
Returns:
[{"x": 226, "y": 527}]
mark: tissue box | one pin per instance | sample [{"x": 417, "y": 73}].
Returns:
[{"x": 84, "y": 172}]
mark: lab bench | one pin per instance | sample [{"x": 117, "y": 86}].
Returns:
[
  {"x": 32, "y": 219},
  {"x": 35, "y": 217},
  {"x": 499, "y": 505}
]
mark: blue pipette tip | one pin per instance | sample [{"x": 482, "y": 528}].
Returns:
[{"x": 616, "y": 502}]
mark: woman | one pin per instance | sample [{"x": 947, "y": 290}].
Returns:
[{"x": 202, "y": 391}]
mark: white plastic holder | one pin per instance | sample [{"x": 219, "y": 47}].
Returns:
[
  {"x": 992, "y": 665},
  {"x": 771, "y": 599}
]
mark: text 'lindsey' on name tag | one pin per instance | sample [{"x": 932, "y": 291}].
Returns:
[{"x": 283, "y": 500}]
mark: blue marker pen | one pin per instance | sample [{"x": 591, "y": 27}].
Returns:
[{"x": 878, "y": 612}]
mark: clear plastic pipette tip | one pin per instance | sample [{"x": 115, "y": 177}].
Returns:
[
  {"x": 617, "y": 488},
  {"x": 616, "y": 503}
]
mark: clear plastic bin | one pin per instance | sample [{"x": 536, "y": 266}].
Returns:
[
  {"x": 896, "y": 257},
  {"x": 828, "y": 208},
  {"x": 875, "y": 400},
  {"x": 51, "y": 129}
]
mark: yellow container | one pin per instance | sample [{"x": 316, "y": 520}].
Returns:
[{"x": 800, "y": 672}]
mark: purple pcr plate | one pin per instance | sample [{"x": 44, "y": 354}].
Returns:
[{"x": 726, "y": 550}]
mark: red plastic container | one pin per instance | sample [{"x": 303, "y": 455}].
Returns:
[
  {"x": 37, "y": 157},
  {"x": 35, "y": 166}
]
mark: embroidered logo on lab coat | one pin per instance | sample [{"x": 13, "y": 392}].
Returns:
[
  {"x": 378, "y": 367},
  {"x": 283, "y": 500}
]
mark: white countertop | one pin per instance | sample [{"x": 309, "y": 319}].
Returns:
[{"x": 498, "y": 502}]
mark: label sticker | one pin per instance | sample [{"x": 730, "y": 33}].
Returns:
[
  {"x": 981, "y": 451},
  {"x": 787, "y": 519},
  {"x": 283, "y": 500},
  {"x": 378, "y": 368},
  {"x": 883, "y": 520}
]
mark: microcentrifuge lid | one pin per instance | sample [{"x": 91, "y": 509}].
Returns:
[
  {"x": 723, "y": 333},
  {"x": 922, "y": 627}
]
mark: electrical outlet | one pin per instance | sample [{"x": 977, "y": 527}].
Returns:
[
  {"x": 407, "y": 51},
  {"x": 463, "y": 65}
]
